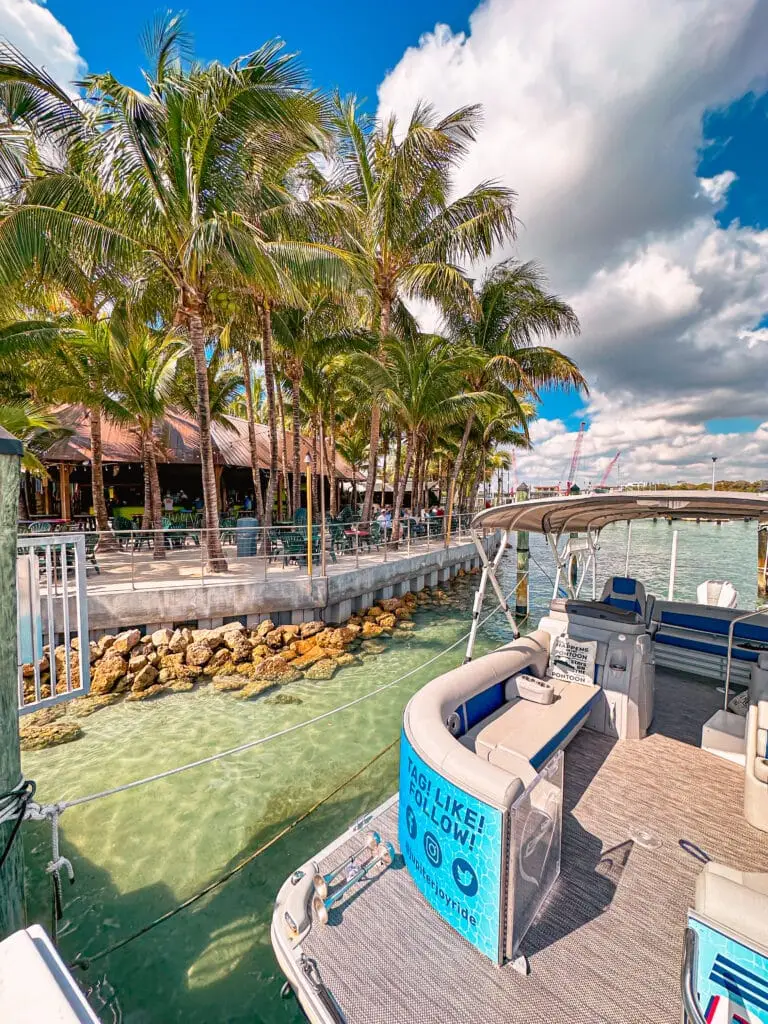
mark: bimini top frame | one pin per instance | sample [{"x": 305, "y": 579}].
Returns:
[{"x": 559, "y": 518}]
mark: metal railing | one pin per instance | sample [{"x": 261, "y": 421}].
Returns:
[
  {"x": 144, "y": 557},
  {"x": 692, "y": 1013},
  {"x": 729, "y": 659},
  {"x": 50, "y": 573}
]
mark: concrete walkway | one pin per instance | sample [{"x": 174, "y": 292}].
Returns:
[{"x": 132, "y": 589}]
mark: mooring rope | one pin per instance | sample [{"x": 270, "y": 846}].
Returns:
[
  {"x": 84, "y": 962},
  {"x": 78, "y": 801}
]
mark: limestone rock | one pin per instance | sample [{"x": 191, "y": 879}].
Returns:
[
  {"x": 126, "y": 641},
  {"x": 247, "y": 669},
  {"x": 172, "y": 661},
  {"x": 284, "y": 698},
  {"x": 145, "y": 678},
  {"x": 387, "y": 621},
  {"x": 38, "y": 737},
  {"x": 305, "y": 660},
  {"x": 278, "y": 670},
  {"x": 263, "y": 628},
  {"x": 153, "y": 658},
  {"x": 181, "y": 685},
  {"x": 261, "y": 651},
  {"x": 224, "y": 683},
  {"x": 371, "y": 630},
  {"x": 287, "y": 654},
  {"x": 390, "y": 604},
  {"x": 178, "y": 642},
  {"x": 309, "y": 629},
  {"x": 161, "y": 637},
  {"x": 240, "y": 647},
  {"x": 177, "y": 672},
  {"x": 274, "y": 638},
  {"x": 405, "y": 627},
  {"x": 81, "y": 707},
  {"x": 124, "y": 684},
  {"x": 198, "y": 654},
  {"x": 105, "y": 642},
  {"x": 107, "y": 673},
  {"x": 345, "y": 658},
  {"x": 290, "y": 632},
  {"x": 337, "y": 637},
  {"x": 374, "y": 613},
  {"x": 323, "y": 669},
  {"x": 257, "y": 687},
  {"x": 220, "y": 663},
  {"x": 42, "y": 717},
  {"x": 136, "y": 662},
  {"x": 303, "y": 646},
  {"x": 372, "y": 647},
  {"x": 403, "y": 613},
  {"x": 151, "y": 691}
]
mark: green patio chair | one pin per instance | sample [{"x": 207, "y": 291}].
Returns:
[
  {"x": 173, "y": 538},
  {"x": 295, "y": 548},
  {"x": 300, "y": 517},
  {"x": 41, "y": 527}
]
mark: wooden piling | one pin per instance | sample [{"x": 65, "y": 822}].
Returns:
[
  {"x": 12, "y": 875},
  {"x": 762, "y": 559}
]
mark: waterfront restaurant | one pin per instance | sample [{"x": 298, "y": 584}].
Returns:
[{"x": 67, "y": 493}]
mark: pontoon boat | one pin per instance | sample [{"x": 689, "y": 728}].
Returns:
[{"x": 580, "y": 829}]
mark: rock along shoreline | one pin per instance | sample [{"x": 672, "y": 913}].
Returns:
[{"x": 245, "y": 662}]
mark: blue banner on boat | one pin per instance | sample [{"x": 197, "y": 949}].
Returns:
[
  {"x": 731, "y": 979},
  {"x": 452, "y": 846}
]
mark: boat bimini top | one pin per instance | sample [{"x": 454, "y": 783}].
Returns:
[
  {"x": 585, "y": 513},
  {"x": 561, "y": 519}
]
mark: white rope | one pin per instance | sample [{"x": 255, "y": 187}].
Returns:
[
  {"x": 49, "y": 810},
  {"x": 11, "y": 804}
]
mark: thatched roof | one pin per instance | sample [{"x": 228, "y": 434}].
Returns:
[{"x": 178, "y": 442}]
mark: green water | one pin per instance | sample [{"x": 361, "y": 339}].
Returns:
[{"x": 139, "y": 853}]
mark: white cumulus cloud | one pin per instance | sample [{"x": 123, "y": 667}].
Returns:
[
  {"x": 593, "y": 113},
  {"x": 34, "y": 30}
]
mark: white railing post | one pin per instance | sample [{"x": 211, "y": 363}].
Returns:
[{"x": 672, "y": 568}]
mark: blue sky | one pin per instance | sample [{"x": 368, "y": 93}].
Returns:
[{"x": 343, "y": 44}]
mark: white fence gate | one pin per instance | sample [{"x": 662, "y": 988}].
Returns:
[{"x": 50, "y": 576}]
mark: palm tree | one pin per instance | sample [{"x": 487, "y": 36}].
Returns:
[
  {"x": 512, "y": 313},
  {"x": 144, "y": 367},
  {"x": 37, "y": 430},
  {"x": 408, "y": 236},
  {"x": 421, "y": 383},
  {"x": 178, "y": 160},
  {"x": 352, "y": 444}
]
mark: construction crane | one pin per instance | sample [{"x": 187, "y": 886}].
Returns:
[
  {"x": 609, "y": 467},
  {"x": 574, "y": 467}
]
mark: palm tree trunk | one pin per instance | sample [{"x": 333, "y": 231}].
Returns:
[
  {"x": 155, "y": 513},
  {"x": 269, "y": 381},
  {"x": 401, "y": 489},
  {"x": 97, "y": 471},
  {"x": 373, "y": 452},
  {"x": 331, "y": 462},
  {"x": 214, "y": 551},
  {"x": 416, "y": 488},
  {"x": 146, "y": 519},
  {"x": 106, "y": 540},
  {"x": 296, "y": 428},
  {"x": 255, "y": 470},
  {"x": 315, "y": 474},
  {"x": 385, "y": 456},
  {"x": 456, "y": 470},
  {"x": 284, "y": 454},
  {"x": 398, "y": 467}
]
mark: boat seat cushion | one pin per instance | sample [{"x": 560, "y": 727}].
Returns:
[
  {"x": 625, "y": 593},
  {"x": 736, "y": 900},
  {"x": 708, "y": 643},
  {"x": 534, "y": 731}
]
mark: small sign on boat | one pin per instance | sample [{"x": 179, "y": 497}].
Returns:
[
  {"x": 573, "y": 660},
  {"x": 452, "y": 845}
]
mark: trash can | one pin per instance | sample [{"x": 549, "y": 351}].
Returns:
[{"x": 247, "y": 537}]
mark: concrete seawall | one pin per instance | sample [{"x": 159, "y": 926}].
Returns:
[{"x": 332, "y": 598}]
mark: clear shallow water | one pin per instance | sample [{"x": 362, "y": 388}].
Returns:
[{"x": 139, "y": 853}]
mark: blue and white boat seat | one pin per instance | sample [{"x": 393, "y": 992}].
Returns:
[
  {"x": 694, "y": 638},
  {"x": 446, "y": 721},
  {"x": 756, "y": 748},
  {"x": 625, "y": 593},
  {"x": 736, "y": 901}
]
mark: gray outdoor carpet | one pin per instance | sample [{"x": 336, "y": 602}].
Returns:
[{"x": 607, "y": 945}]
